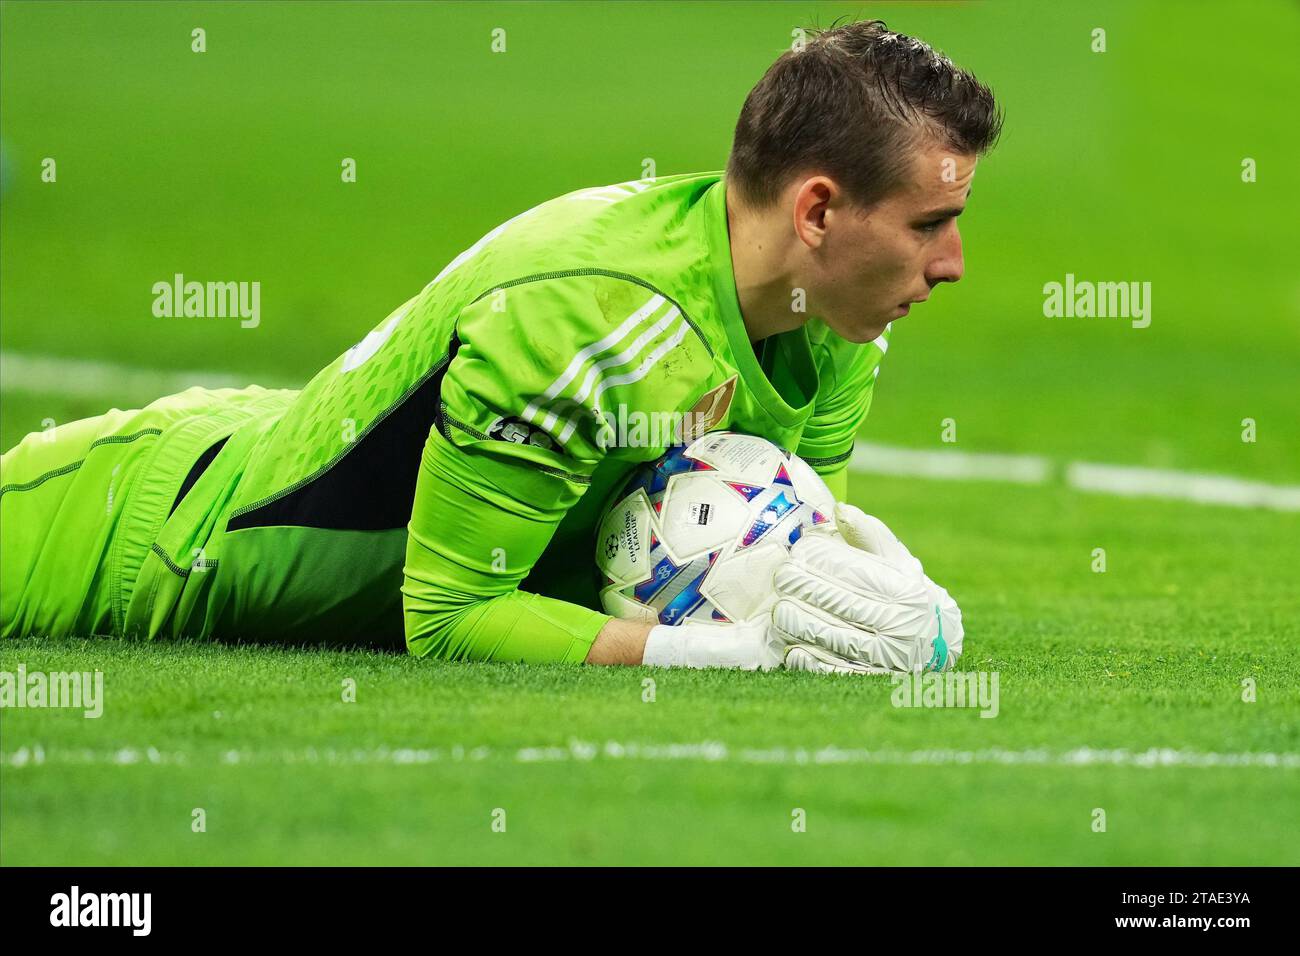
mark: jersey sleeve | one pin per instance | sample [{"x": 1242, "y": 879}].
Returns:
[
  {"x": 534, "y": 373},
  {"x": 841, "y": 407}
]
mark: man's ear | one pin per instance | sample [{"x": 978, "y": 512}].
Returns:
[{"x": 812, "y": 198}]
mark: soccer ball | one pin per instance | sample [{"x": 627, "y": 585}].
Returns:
[{"x": 697, "y": 535}]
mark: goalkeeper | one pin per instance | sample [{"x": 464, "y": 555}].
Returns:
[{"x": 437, "y": 486}]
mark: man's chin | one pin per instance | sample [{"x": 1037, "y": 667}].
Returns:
[
  {"x": 859, "y": 332},
  {"x": 863, "y": 334}
]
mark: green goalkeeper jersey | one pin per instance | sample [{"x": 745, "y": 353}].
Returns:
[{"x": 439, "y": 483}]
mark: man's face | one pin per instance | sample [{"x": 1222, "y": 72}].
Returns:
[{"x": 868, "y": 268}]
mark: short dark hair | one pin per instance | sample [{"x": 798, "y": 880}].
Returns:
[{"x": 852, "y": 103}]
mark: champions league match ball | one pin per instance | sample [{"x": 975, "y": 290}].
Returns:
[{"x": 698, "y": 534}]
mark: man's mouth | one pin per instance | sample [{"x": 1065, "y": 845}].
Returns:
[{"x": 906, "y": 307}]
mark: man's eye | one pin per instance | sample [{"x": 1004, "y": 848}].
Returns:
[{"x": 931, "y": 226}]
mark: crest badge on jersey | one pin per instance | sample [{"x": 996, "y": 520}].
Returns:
[{"x": 710, "y": 411}]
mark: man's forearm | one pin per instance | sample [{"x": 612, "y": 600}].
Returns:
[{"x": 619, "y": 642}]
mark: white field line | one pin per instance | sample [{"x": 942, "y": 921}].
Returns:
[
  {"x": 1123, "y": 480},
  {"x": 869, "y": 458},
  {"x": 124, "y": 384},
  {"x": 1186, "y": 486},
  {"x": 50, "y": 375},
  {"x": 709, "y": 751}
]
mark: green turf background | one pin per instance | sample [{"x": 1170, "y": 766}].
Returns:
[{"x": 1123, "y": 165}]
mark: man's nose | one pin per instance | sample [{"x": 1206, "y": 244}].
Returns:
[{"x": 949, "y": 266}]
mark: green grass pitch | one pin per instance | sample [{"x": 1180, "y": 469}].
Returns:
[
  {"x": 1120, "y": 691},
  {"x": 1149, "y": 655}
]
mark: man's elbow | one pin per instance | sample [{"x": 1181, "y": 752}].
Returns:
[{"x": 438, "y": 625}]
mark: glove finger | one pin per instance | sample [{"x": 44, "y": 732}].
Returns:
[
  {"x": 808, "y": 657},
  {"x": 907, "y": 614},
  {"x": 798, "y": 623},
  {"x": 854, "y": 569},
  {"x": 868, "y": 533}
]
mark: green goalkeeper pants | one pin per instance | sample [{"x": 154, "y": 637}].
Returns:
[{"x": 82, "y": 506}]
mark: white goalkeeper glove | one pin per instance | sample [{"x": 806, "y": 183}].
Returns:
[
  {"x": 868, "y": 533},
  {"x": 857, "y": 605},
  {"x": 751, "y": 646},
  {"x": 856, "y": 602},
  {"x": 746, "y": 646},
  {"x": 810, "y": 657}
]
